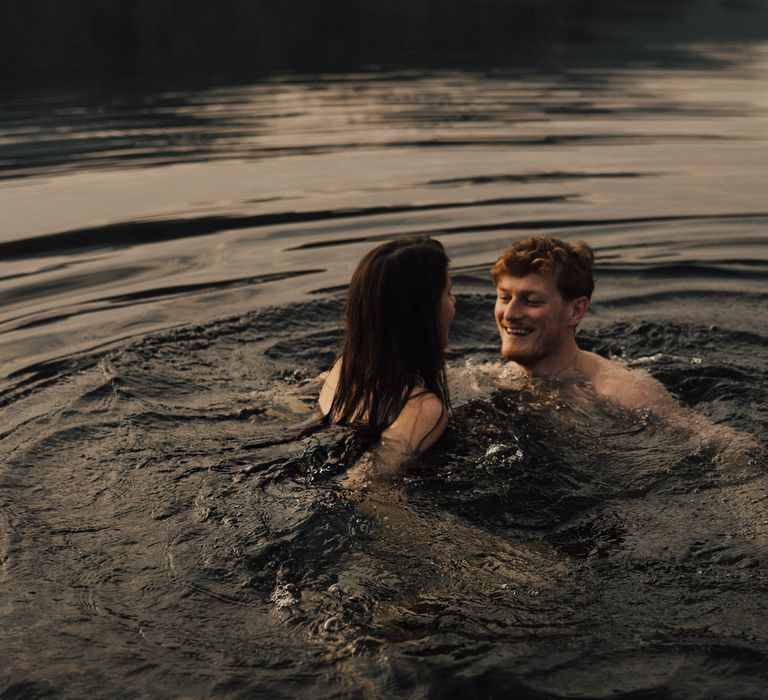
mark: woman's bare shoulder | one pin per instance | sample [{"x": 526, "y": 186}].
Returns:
[
  {"x": 328, "y": 391},
  {"x": 420, "y": 423}
]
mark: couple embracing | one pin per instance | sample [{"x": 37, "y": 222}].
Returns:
[{"x": 389, "y": 378}]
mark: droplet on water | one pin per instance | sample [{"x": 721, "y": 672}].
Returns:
[{"x": 333, "y": 624}]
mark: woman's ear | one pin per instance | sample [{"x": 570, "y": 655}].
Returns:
[{"x": 578, "y": 311}]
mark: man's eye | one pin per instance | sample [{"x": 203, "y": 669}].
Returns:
[
  {"x": 503, "y": 299},
  {"x": 535, "y": 302}
]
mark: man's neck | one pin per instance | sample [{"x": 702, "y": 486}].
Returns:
[{"x": 555, "y": 365}]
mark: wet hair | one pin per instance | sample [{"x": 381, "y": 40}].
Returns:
[
  {"x": 394, "y": 339},
  {"x": 570, "y": 264}
]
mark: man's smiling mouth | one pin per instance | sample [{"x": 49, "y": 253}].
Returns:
[{"x": 517, "y": 331}]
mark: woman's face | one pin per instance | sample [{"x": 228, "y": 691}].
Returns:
[{"x": 447, "y": 309}]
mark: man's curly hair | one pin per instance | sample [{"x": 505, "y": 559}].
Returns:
[{"x": 570, "y": 264}]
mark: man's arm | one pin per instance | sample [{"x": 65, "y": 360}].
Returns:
[{"x": 638, "y": 390}]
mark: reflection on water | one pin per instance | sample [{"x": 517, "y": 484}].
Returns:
[
  {"x": 172, "y": 275},
  {"x": 410, "y": 110},
  {"x": 240, "y": 189}
]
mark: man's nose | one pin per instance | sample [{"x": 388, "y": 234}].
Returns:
[{"x": 512, "y": 309}]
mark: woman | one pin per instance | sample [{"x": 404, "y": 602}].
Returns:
[{"x": 389, "y": 379}]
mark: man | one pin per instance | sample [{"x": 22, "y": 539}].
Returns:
[{"x": 543, "y": 288}]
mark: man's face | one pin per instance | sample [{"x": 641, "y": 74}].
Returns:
[{"x": 534, "y": 321}]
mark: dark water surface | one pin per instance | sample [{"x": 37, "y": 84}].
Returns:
[{"x": 173, "y": 271}]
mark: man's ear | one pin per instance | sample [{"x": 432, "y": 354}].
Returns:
[{"x": 578, "y": 311}]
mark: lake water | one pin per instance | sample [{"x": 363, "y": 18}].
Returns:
[{"x": 173, "y": 272}]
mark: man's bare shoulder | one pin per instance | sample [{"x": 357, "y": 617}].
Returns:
[{"x": 628, "y": 388}]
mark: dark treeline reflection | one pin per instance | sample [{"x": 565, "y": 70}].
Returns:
[{"x": 186, "y": 42}]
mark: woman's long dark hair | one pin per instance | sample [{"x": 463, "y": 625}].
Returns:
[{"x": 394, "y": 338}]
